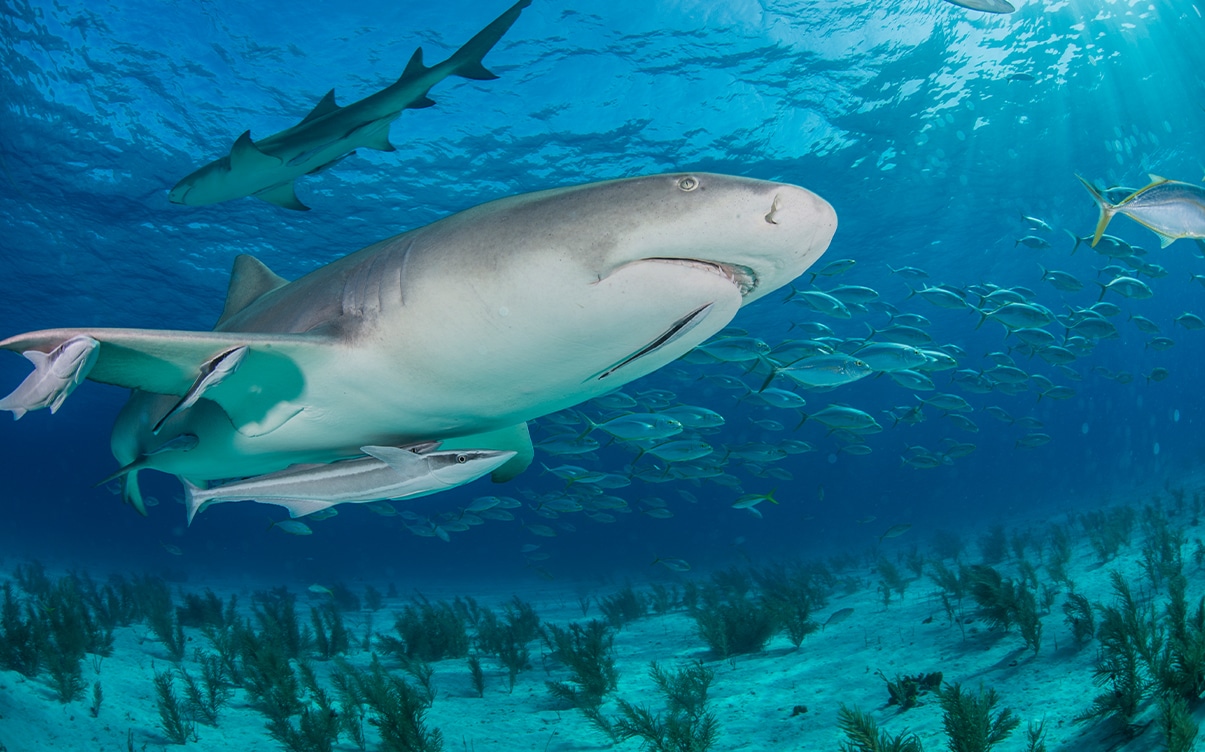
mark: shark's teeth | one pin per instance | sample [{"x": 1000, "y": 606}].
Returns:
[{"x": 742, "y": 277}]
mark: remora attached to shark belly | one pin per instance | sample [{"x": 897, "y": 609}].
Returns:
[
  {"x": 457, "y": 332},
  {"x": 267, "y": 168},
  {"x": 386, "y": 473}
]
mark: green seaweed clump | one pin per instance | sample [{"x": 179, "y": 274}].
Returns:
[
  {"x": 428, "y": 631},
  {"x": 587, "y": 652},
  {"x": 971, "y": 721},
  {"x": 1182, "y": 670},
  {"x": 1004, "y": 603},
  {"x": 330, "y": 635},
  {"x": 734, "y": 623},
  {"x": 395, "y": 708},
  {"x": 622, "y": 607},
  {"x": 1077, "y": 612},
  {"x": 1177, "y": 724},
  {"x": 318, "y": 724},
  {"x": 686, "y": 725},
  {"x": 794, "y": 593},
  {"x": 173, "y": 720},
  {"x": 1127, "y": 638},
  {"x": 862, "y": 734}
]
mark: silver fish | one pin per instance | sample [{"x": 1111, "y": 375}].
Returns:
[
  {"x": 387, "y": 473},
  {"x": 213, "y": 372},
  {"x": 55, "y": 375},
  {"x": 1169, "y": 208}
]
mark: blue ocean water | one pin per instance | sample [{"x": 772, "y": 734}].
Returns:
[{"x": 931, "y": 129}]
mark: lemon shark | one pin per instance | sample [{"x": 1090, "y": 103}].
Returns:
[
  {"x": 266, "y": 169},
  {"x": 458, "y": 332}
]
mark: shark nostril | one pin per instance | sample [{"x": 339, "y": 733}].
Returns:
[{"x": 773, "y": 209}]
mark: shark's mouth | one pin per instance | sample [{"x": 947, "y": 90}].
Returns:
[{"x": 741, "y": 277}]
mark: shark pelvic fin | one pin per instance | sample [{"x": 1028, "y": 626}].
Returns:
[
  {"x": 325, "y": 106},
  {"x": 283, "y": 195},
  {"x": 245, "y": 155},
  {"x": 381, "y": 143},
  {"x": 250, "y": 280},
  {"x": 131, "y": 492}
]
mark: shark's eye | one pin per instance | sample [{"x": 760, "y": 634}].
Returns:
[
  {"x": 461, "y": 459},
  {"x": 688, "y": 183}
]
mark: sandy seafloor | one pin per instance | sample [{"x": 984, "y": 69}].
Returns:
[{"x": 753, "y": 696}]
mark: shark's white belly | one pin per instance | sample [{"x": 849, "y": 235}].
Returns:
[{"x": 507, "y": 356}]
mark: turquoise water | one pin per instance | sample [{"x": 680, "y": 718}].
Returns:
[{"x": 931, "y": 129}]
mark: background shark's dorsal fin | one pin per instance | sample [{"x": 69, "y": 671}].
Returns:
[
  {"x": 415, "y": 67},
  {"x": 324, "y": 107},
  {"x": 250, "y": 280},
  {"x": 245, "y": 155}
]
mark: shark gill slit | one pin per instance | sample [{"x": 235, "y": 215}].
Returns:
[{"x": 680, "y": 327}]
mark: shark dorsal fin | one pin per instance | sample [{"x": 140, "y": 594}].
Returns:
[
  {"x": 324, "y": 107},
  {"x": 415, "y": 67},
  {"x": 245, "y": 155},
  {"x": 250, "y": 280}
]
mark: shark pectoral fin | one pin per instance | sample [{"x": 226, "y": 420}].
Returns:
[
  {"x": 421, "y": 103},
  {"x": 324, "y": 107},
  {"x": 514, "y": 438},
  {"x": 259, "y": 397},
  {"x": 283, "y": 195},
  {"x": 245, "y": 155},
  {"x": 250, "y": 280},
  {"x": 165, "y": 361}
]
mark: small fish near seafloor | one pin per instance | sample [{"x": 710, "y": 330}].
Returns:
[
  {"x": 1169, "y": 208},
  {"x": 266, "y": 169},
  {"x": 563, "y": 318}
]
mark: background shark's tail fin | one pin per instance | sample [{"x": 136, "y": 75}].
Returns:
[{"x": 467, "y": 60}]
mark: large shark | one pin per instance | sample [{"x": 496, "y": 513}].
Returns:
[
  {"x": 457, "y": 332},
  {"x": 267, "y": 168}
]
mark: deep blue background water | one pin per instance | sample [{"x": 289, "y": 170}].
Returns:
[{"x": 910, "y": 119}]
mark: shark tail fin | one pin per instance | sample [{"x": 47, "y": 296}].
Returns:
[
  {"x": 1106, "y": 210},
  {"x": 467, "y": 60}
]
